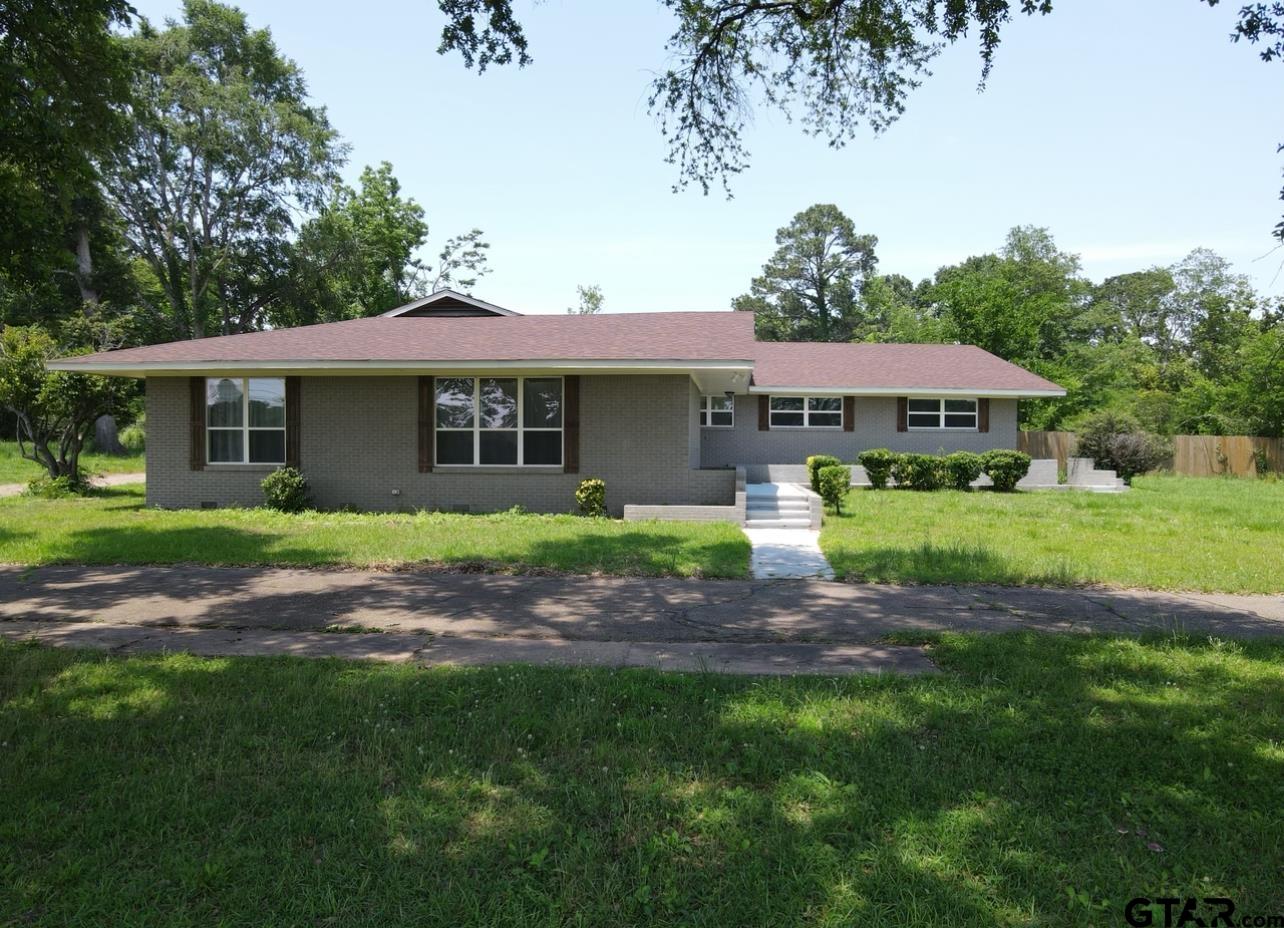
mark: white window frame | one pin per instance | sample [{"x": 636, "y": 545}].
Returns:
[
  {"x": 706, "y": 411},
  {"x": 806, "y": 411},
  {"x": 520, "y": 429},
  {"x": 941, "y": 414},
  {"x": 245, "y": 428}
]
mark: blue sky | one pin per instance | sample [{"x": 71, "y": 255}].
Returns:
[{"x": 1134, "y": 130}]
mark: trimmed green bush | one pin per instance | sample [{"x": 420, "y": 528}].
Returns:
[
  {"x": 1005, "y": 468},
  {"x": 919, "y": 471},
  {"x": 814, "y": 464},
  {"x": 833, "y": 482},
  {"x": 286, "y": 490},
  {"x": 134, "y": 436},
  {"x": 47, "y": 487},
  {"x": 590, "y": 496},
  {"x": 878, "y": 466},
  {"x": 961, "y": 468}
]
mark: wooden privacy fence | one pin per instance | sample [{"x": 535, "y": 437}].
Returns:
[{"x": 1193, "y": 455}]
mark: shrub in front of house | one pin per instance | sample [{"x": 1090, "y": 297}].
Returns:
[
  {"x": 1116, "y": 441},
  {"x": 590, "y": 496},
  {"x": 286, "y": 490},
  {"x": 814, "y": 464},
  {"x": 961, "y": 468},
  {"x": 1136, "y": 453},
  {"x": 832, "y": 483},
  {"x": 46, "y": 487},
  {"x": 1005, "y": 468},
  {"x": 919, "y": 471},
  {"x": 878, "y": 465}
]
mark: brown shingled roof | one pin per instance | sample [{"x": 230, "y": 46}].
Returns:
[
  {"x": 875, "y": 366},
  {"x": 681, "y": 337}
]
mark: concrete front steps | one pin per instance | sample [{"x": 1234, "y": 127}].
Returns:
[{"x": 781, "y": 505}]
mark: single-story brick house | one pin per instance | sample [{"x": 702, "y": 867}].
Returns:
[{"x": 453, "y": 403}]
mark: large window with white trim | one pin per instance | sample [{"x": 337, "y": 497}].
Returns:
[
  {"x": 940, "y": 414},
  {"x": 806, "y": 412},
  {"x": 717, "y": 412},
  {"x": 505, "y": 421},
  {"x": 245, "y": 420}
]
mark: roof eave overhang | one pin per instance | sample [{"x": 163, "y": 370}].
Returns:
[
  {"x": 395, "y": 367},
  {"x": 908, "y": 391}
]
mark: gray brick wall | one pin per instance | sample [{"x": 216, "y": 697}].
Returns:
[
  {"x": 875, "y": 428},
  {"x": 359, "y": 444}
]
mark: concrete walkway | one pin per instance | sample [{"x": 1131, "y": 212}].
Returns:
[
  {"x": 109, "y": 480},
  {"x": 786, "y": 553},
  {"x": 758, "y": 659},
  {"x": 602, "y": 609}
]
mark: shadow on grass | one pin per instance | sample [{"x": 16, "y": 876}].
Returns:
[
  {"x": 160, "y": 791},
  {"x": 928, "y": 562}
]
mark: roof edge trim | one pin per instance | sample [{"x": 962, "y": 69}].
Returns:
[{"x": 451, "y": 295}]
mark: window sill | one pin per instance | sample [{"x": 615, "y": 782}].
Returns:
[
  {"x": 227, "y": 465},
  {"x": 717, "y": 426},
  {"x": 921, "y": 428},
  {"x": 496, "y": 469},
  {"x": 806, "y": 428}
]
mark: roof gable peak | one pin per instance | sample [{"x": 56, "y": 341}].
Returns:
[{"x": 443, "y": 303}]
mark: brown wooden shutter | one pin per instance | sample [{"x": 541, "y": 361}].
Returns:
[
  {"x": 983, "y": 414},
  {"x": 849, "y": 413},
  {"x": 292, "y": 422},
  {"x": 425, "y": 425},
  {"x": 764, "y": 413},
  {"x": 902, "y": 414},
  {"x": 571, "y": 424},
  {"x": 196, "y": 388}
]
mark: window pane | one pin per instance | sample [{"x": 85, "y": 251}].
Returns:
[
  {"x": 919, "y": 421},
  {"x": 223, "y": 399},
  {"x": 267, "y": 403},
  {"x": 704, "y": 417},
  {"x": 225, "y": 446},
  {"x": 960, "y": 421},
  {"x": 267, "y": 446},
  {"x": 786, "y": 402},
  {"x": 499, "y": 447},
  {"x": 721, "y": 403},
  {"x": 960, "y": 405},
  {"x": 924, "y": 405},
  {"x": 498, "y": 403},
  {"x": 825, "y": 403},
  {"x": 454, "y": 447},
  {"x": 542, "y": 402},
  {"x": 786, "y": 418},
  {"x": 455, "y": 403},
  {"x": 722, "y": 418},
  {"x": 542, "y": 447},
  {"x": 824, "y": 420}
]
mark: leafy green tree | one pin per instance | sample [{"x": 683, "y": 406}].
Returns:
[
  {"x": 224, "y": 147},
  {"x": 356, "y": 257},
  {"x": 55, "y": 410},
  {"x": 591, "y": 301},
  {"x": 810, "y": 288},
  {"x": 462, "y": 261}
]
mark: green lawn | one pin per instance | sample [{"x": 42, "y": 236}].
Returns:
[
  {"x": 114, "y": 527},
  {"x": 1040, "y": 780},
  {"x": 1168, "y": 533},
  {"x": 16, "y": 469}
]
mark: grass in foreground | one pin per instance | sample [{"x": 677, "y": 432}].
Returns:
[
  {"x": 1167, "y": 533},
  {"x": 1041, "y": 780},
  {"x": 17, "y": 469},
  {"x": 114, "y": 527}
]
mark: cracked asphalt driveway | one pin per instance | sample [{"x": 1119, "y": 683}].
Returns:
[{"x": 601, "y": 609}]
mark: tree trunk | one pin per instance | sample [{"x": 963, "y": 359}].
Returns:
[
  {"x": 85, "y": 267},
  {"x": 106, "y": 439}
]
